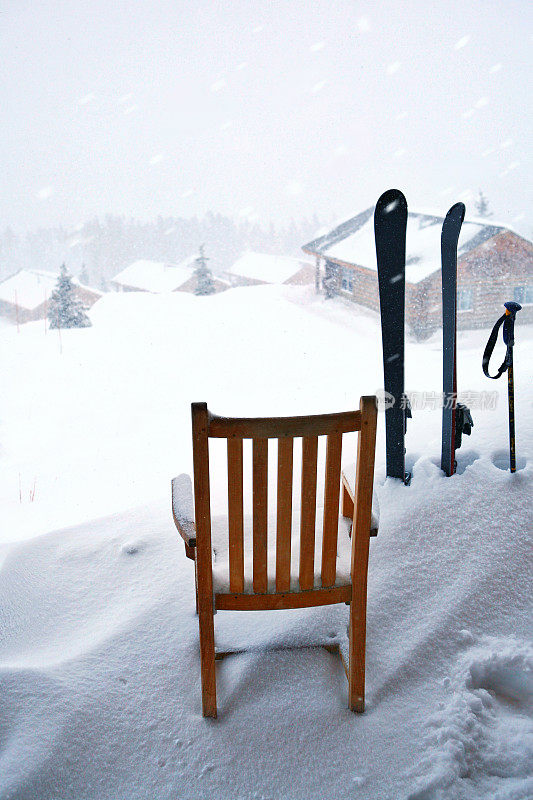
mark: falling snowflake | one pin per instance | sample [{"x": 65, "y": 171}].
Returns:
[
  {"x": 488, "y": 152},
  {"x": 218, "y": 85},
  {"x": 318, "y": 87},
  {"x": 400, "y": 116},
  {"x": 294, "y": 188},
  {"x": 157, "y": 159},
  {"x": 131, "y": 109},
  {"x": 400, "y": 152},
  {"x": 462, "y": 42},
  {"x": 394, "y": 67},
  {"x": 468, "y": 113},
  {"x": 248, "y": 213},
  {"x": 226, "y": 125},
  {"x": 482, "y": 102},
  {"x": 496, "y": 67},
  {"x": 258, "y": 29},
  {"x": 363, "y": 23},
  {"x": 242, "y": 65},
  {"x": 513, "y": 165},
  {"x": 45, "y": 193},
  {"x": 507, "y": 143},
  {"x": 88, "y": 98},
  {"x": 341, "y": 150},
  {"x": 317, "y": 46}
]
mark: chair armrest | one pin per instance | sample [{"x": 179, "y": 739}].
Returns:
[
  {"x": 183, "y": 511},
  {"x": 348, "y": 499}
]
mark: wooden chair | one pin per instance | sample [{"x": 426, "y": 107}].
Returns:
[{"x": 309, "y": 587}]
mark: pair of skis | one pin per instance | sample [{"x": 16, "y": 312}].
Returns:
[{"x": 390, "y": 225}]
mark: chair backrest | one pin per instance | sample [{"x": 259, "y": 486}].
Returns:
[{"x": 285, "y": 430}]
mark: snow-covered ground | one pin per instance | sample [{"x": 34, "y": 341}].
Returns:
[{"x": 99, "y": 667}]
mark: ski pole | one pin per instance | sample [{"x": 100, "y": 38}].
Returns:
[
  {"x": 508, "y": 337},
  {"x": 507, "y": 320}
]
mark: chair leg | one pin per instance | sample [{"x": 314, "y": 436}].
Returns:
[
  {"x": 356, "y": 668},
  {"x": 207, "y": 663}
]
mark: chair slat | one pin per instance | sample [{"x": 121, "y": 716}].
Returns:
[
  {"x": 308, "y": 511},
  {"x": 330, "y": 527},
  {"x": 235, "y": 516},
  {"x": 284, "y": 515},
  {"x": 260, "y": 511}
]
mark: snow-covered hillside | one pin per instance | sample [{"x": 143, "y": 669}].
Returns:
[{"x": 99, "y": 667}]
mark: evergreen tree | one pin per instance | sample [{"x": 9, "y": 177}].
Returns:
[
  {"x": 204, "y": 276},
  {"x": 482, "y": 205},
  {"x": 64, "y": 309}
]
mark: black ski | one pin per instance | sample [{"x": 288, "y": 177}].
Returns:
[
  {"x": 451, "y": 431},
  {"x": 390, "y": 223}
]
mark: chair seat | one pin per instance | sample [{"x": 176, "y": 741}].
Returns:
[{"x": 219, "y": 542}]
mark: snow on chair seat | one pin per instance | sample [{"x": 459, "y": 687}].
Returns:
[
  {"x": 221, "y": 563},
  {"x": 318, "y": 565}
]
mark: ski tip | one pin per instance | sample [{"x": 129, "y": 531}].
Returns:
[
  {"x": 391, "y": 200},
  {"x": 456, "y": 214}
]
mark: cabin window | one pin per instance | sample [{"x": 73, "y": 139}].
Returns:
[
  {"x": 464, "y": 300},
  {"x": 347, "y": 279},
  {"x": 523, "y": 295}
]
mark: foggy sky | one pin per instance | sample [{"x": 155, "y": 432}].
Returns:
[{"x": 263, "y": 110}]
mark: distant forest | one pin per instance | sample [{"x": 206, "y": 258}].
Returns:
[{"x": 103, "y": 247}]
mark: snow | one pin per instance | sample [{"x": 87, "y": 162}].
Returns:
[
  {"x": 99, "y": 665},
  {"x": 30, "y": 288},
  {"x": 219, "y": 533},
  {"x": 422, "y": 244},
  {"x": 266, "y": 268},
  {"x": 156, "y": 276}
]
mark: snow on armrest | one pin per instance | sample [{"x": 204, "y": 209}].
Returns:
[{"x": 183, "y": 509}]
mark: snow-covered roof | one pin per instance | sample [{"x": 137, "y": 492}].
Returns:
[
  {"x": 354, "y": 242},
  {"x": 28, "y": 288},
  {"x": 156, "y": 276},
  {"x": 267, "y": 268}
]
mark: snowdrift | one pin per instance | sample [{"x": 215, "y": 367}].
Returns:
[{"x": 99, "y": 665}]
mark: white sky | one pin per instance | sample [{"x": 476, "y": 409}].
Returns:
[{"x": 264, "y": 109}]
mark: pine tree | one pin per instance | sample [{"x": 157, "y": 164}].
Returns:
[
  {"x": 482, "y": 205},
  {"x": 204, "y": 276},
  {"x": 64, "y": 309}
]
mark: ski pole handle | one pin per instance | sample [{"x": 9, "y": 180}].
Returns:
[
  {"x": 511, "y": 310},
  {"x": 507, "y": 320}
]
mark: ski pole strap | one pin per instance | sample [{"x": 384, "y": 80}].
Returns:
[
  {"x": 489, "y": 349},
  {"x": 507, "y": 320}
]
